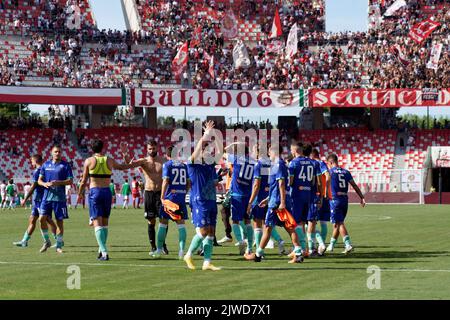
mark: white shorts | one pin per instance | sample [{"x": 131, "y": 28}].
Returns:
[
  {"x": 3, "y": 195},
  {"x": 10, "y": 198},
  {"x": 125, "y": 198}
]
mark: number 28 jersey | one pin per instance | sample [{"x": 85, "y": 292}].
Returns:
[
  {"x": 340, "y": 179},
  {"x": 176, "y": 173}
]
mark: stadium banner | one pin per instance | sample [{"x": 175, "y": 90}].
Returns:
[
  {"x": 395, "y": 7},
  {"x": 229, "y": 26},
  {"x": 422, "y": 30},
  {"x": 218, "y": 98},
  {"x": 374, "y": 98},
  {"x": 71, "y": 96},
  {"x": 440, "y": 157},
  {"x": 435, "y": 55}
]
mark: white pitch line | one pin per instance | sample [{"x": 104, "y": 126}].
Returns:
[{"x": 184, "y": 267}]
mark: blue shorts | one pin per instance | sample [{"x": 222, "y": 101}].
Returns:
[
  {"x": 183, "y": 209},
  {"x": 272, "y": 219},
  {"x": 100, "y": 202},
  {"x": 204, "y": 213},
  {"x": 338, "y": 209},
  {"x": 313, "y": 212},
  {"x": 239, "y": 208},
  {"x": 58, "y": 207},
  {"x": 258, "y": 212},
  {"x": 300, "y": 209},
  {"x": 324, "y": 212},
  {"x": 35, "y": 208}
]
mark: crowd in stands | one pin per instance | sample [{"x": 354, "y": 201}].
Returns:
[
  {"x": 342, "y": 60},
  {"x": 15, "y": 122}
]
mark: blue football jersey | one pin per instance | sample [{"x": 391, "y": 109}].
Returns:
[
  {"x": 55, "y": 171},
  {"x": 38, "y": 193},
  {"x": 203, "y": 181},
  {"x": 262, "y": 171},
  {"x": 242, "y": 178},
  {"x": 304, "y": 171},
  {"x": 278, "y": 172},
  {"x": 340, "y": 179},
  {"x": 177, "y": 174}
]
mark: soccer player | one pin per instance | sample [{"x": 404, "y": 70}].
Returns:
[
  {"x": 135, "y": 193},
  {"x": 36, "y": 192},
  {"x": 3, "y": 194},
  {"x": 241, "y": 189},
  {"x": 302, "y": 179},
  {"x": 152, "y": 168},
  {"x": 112, "y": 187},
  {"x": 339, "y": 180},
  {"x": 69, "y": 196},
  {"x": 11, "y": 192},
  {"x": 225, "y": 211},
  {"x": 26, "y": 191},
  {"x": 126, "y": 191},
  {"x": 324, "y": 211},
  {"x": 98, "y": 169},
  {"x": 173, "y": 194},
  {"x": 203, "y": 179},
  {"x": 315, "y": 207},
  {"x": 54, "y": 175},
  {"x": 277, "y": 200}
]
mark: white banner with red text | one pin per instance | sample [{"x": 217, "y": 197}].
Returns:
[
  {"x": 161, "y": 98},
  {"x": 374, "y": 98}
]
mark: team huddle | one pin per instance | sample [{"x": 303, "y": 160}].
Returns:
[{"x": 264, "y": 192}]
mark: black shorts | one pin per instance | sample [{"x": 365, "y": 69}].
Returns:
[{"x": 152, "y": 204}]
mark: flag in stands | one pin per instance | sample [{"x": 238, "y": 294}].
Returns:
[
  {"x": 422, "y": 30},
  {"x": 211, "y": 65},
  {"x": 292, "y": 42},
  {"x": 180, "y": 61},
  {"x": 435, "y": 55},
  {"x": 395, "y": 7},
  {"x": 276, "y": 31},
  {"x": 240, "y": 55},
  {"x": 229, "y": 27},
  {"x": 396, "y": 50}
]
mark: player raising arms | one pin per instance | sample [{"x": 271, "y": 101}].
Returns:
[
  {"x": 278, "y": 181},
  {"x": 204, "y": 179},
  {"x": 37, "y": 193},
  {"x": 98, "y": 169},
  {"x": 339, "y": 180},
  {"x": 173, "y": 199},
  {"x": 152, "y": 167},
  {"x": 54, "y": 175}
]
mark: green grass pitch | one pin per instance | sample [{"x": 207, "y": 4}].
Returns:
[{"x": 409, "y": 243}]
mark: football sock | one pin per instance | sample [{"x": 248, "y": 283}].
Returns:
[
  {"x": 243, "y": 229},
  {"x": 208, "y": 248},
  {"x": 151, "y": 235},
  {"x": 333, "y": 242},
  {"x": 182, "y": 236},
  {"x": 324, "y": 230},
  {"x": 105, "y": 234},
  {"x": 26, "y": 237},
  {"x": 297, "y": 250},
  {"x": 275, "y": 235},
  {"x": 301, "y": 237},
  {"x": 347, "y": 241},
  {"x": 237, "y": 232},
  {"x": 45, "y": 236},
  {"x": 99, "y": 237},
  {"x": 161, "y": 236},
  {"x": 259, "y": 252},
  {"x": 249, "y": 236},
  {"x": 195, "y": 243},
  {"x": 258, "y": 236},
  {"x": 59, "y": 241},
  {"x": 319, "y": 239},
  {"x": 310, "y": 241},
  {"x": 54, "y": 236}
]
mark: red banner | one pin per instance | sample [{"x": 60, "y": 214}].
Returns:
[
  {"x": 180, "y": 61},
  {"x": 388, "y": 98},
  {"x": 422, "y": 30}
]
